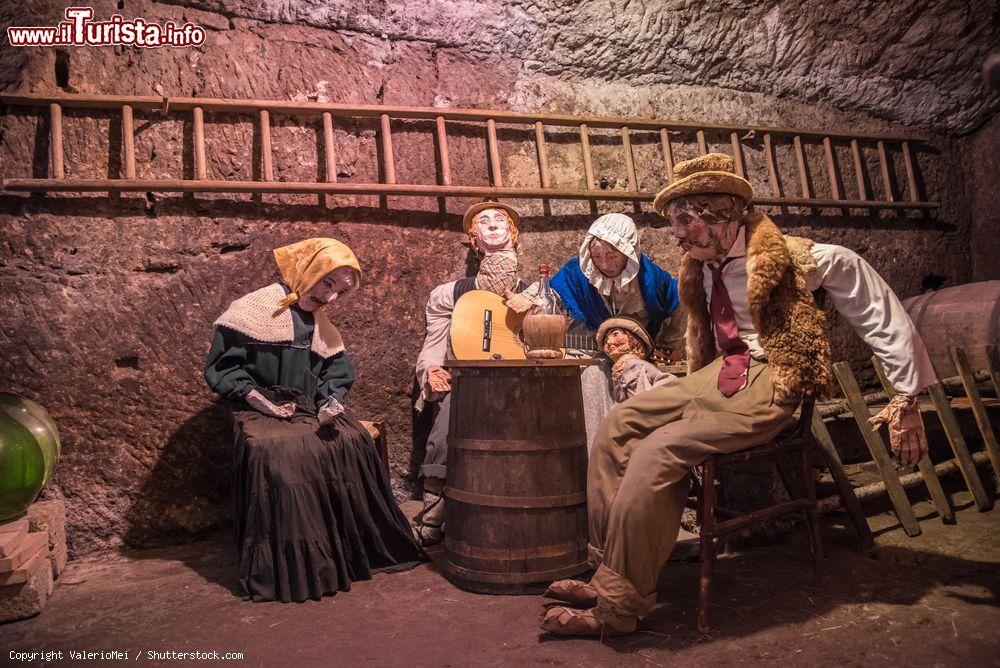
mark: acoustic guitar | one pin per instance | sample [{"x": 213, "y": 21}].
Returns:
[{"x": 484, "y": 328}]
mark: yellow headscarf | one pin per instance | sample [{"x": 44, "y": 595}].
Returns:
[{"x": 305, "y": 263}]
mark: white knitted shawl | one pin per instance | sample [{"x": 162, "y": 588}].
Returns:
[{"x": 258, "y": 316}]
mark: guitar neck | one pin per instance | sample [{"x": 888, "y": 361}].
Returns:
[{"x": 580, "y": 341}]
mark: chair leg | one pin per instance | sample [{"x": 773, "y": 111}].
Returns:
[
  {"x": 706, "y": 557},
  {"x": 812, "y": 514}
]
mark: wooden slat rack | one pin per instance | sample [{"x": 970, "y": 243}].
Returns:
[{"x": 261, "y": 111}]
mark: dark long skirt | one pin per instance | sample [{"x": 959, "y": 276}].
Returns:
[{"x": 314, "y": 511}]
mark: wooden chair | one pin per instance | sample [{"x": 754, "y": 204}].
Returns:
[{"x": 795, "y": 443}]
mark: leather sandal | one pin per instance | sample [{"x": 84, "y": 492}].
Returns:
[
  {"x": 593, "y": 622},
  {"x": 574, "y": 592}
]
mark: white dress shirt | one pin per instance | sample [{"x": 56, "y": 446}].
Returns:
[{"x": 859, "y": 294}]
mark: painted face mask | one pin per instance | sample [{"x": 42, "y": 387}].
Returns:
[
  {"x": 491, "y": 231},
  {"x": 706, "y": 226},
  {"x": 333, "y": 287}
]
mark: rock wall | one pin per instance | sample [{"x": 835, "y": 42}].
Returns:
[
  {"x": 107, "y": 301},
  {"x": 982, "y": 182}
]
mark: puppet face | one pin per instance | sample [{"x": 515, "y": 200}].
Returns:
[
  {"x": 336, "y": 285},
  {"x": 620, "y": 342},
  {"x": 706, "y": 226},
  {"x": 609, "y": 260},
  {"x": 491, "y": 230}
]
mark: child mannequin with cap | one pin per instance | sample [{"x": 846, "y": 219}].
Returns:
[
  {"x": 756, "y": 346},
  {"x": 492, "y": 230},
  {"x": 314, "y": 510},
  {"x": 627, "y": 345}
]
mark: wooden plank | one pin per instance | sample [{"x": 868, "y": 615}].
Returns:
[
  {"x": 931, "y": 480},
  {"x": 55, "y": 141},
  {"x": 831, "y": 168},
  {"x": 800, "y": 160},
  {"x": 952, "y": 430},
  {"x": 388, "y": 164},
  {"x": 10, "y": 541},
  {"x": 668, "y": 154},
  {"x": 494, "y": 146},
  {"x": 772, "y": 166},
  {"x": 200, "y": 171},
  {"x": 633, "y": 182},
  {"x": 877, "y": 448},
  {"x": 702, "y": 145},
  {"x": 267, "y": 166},
  {"x": 588, "y": 166},
  {"x": 851, "y": 504},
  {"x": 911, "y": 175},
  {"x": 883, "y": 159},
  {"x": 21, "y": 574},
  {"x": 329, "y": 149},
  {"x": 30, "y": 544},
  {"x": 543, "y": 156},
  {"x": 859, "y": 173},
  {"x": 128, "y": 141},
  {"x": 734, "y": 139},
  {"x": 441, "y": 133},
  {"x": 978, "y": 409}
]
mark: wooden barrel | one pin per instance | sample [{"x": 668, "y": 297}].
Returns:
[
  {"x": 965, "y": 316},
  {"x": 516, "y": 510}
]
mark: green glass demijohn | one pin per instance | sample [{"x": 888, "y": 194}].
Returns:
[{"x": 29, "y": 451}]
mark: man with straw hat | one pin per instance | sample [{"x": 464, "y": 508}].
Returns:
[
  {"x": 756, "y": 346},
  {"x": 492, "y": 229}
]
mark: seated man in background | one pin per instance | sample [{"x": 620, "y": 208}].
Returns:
[
  {"x": 492, "y": 230},
  {"x": 747, "y": 288}
]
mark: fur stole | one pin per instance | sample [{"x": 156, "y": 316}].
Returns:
[{"x": 791, "y": 326}]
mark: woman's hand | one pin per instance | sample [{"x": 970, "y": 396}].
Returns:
[
  {"x": 330, "y": 410},
  {"x": 439, "y": 379},
  {"x": 907, "y": 438},
  {"x": 260, "y": 403}
]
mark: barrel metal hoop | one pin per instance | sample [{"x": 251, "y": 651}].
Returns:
[
  {"x": 515, "y": 578},
  {"x": 487, "y": 445},
  {"x": 464, "y": 549},
  {"x": 494, "y": 501}
]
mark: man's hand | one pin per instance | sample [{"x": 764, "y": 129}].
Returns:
[
  {"x": 906, "y": 428},
  {"x": 439, "y": 379},
  {"x": 260, "y": 403},
  {"x": 517, "y": 302},
  {"x": 329, "y": 410}
]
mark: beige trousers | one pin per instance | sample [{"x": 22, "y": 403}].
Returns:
[{"x": 638, "y": 473}]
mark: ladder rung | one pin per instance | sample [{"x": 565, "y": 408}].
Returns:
[
  {"x": 543, "y": 157},
  {"x": 265, "y": 145},
  {"x": 128, "y": 141},
  {"x": 911, "y": 176},
  {"x": 328, "y": 148},
  {"x": 883, "y": 159},
  {"x": 800, "y": 159},
  {"x": 388, "y": 164},
  {"x": 200, "y": 171},
  {"x": 55, "y": 140},
  {"x": 633, "y": 182},
  {"x": 734, "y": 139},
  {"x": 772, "y": 166},
  {"x": 441, "y": 135},
  {"x": 702, "y": 145},
  {"x": 588, "y": 166},
  {"x": 668, "y": 154},
  {"x": 859, "y": 172},
  {"x": 831, "y": 168},
  {"x": 494, "y": 149}
]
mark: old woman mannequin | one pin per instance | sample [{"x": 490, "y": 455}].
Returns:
[
  {"x": 756, "y": 344},
  {"x": 611, "y": 277},
  {"x": 314, "y": 511},
  {"x": 492, "y": 230}
]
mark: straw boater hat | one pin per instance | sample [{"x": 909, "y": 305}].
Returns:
[
  {"x": 515, "y": 217},
  {"x": 630, "y": 325},
  {"x": 711, "y": 173}
]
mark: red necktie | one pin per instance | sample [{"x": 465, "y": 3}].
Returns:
[{"x": 733, "y": 375}]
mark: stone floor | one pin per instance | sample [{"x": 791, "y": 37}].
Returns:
[{"x": 925, "y": 601}]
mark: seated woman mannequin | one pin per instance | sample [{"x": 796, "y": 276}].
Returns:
[{"x": 314, "y": 511}]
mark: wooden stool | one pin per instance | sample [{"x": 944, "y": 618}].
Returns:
[{"x": 794, "y": 442}]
